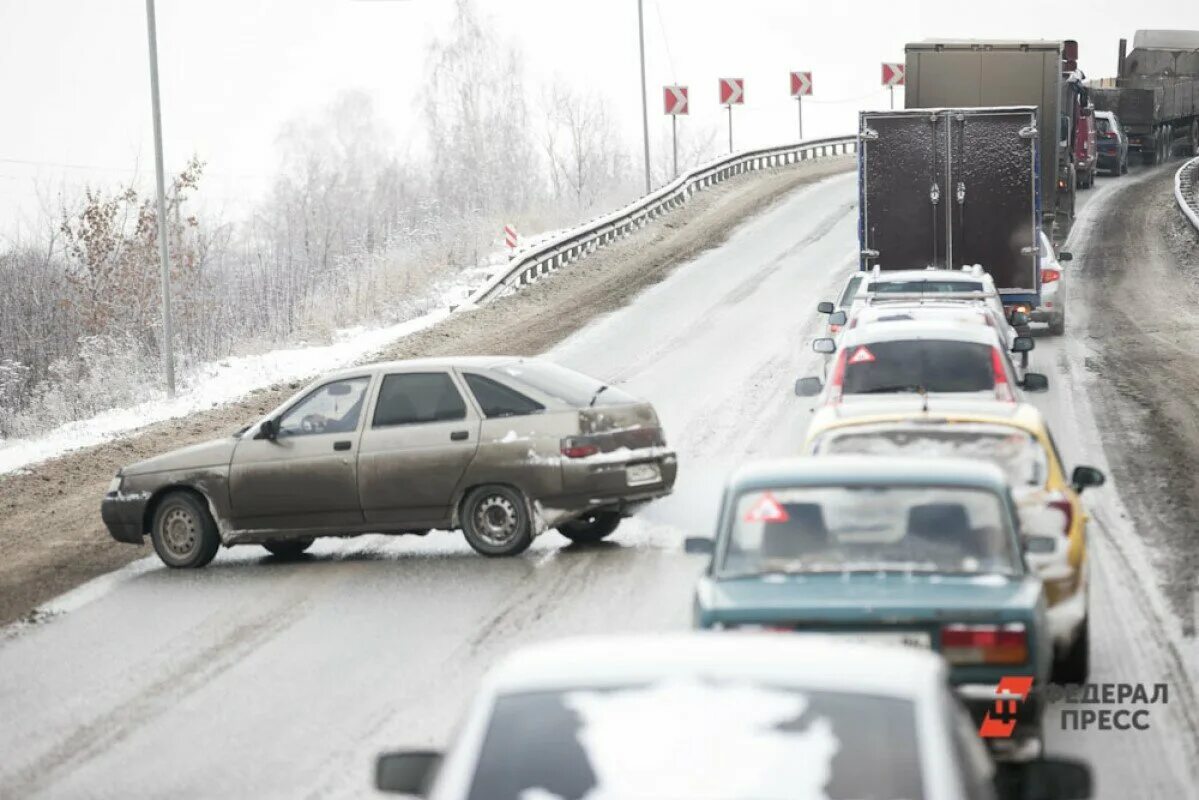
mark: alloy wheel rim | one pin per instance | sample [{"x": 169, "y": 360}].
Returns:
[
  {"x": 496, "y": 520},
  {"x": 180, "y": 532}
]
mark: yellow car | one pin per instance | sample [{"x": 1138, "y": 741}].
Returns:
[{"x": 1016, "y": 438}]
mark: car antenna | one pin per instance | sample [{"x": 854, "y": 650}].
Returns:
[{"x": 923, "y": 399}]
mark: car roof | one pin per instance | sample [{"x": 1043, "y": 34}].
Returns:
[
  {"x": 914, "y": 409},
  {"x": 1105, "y": 114},
  {"x": 462, "y": 362},
  {"x": 929, "y": 308},
  {"x": 792, "y": 661},
  {"x": 868, "y": 471},
  {"x": 942, "y": 329},
  {"x": 905, "y": 275}
]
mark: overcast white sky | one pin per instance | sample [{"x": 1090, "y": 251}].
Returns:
[{"x": 74, "y": 96}]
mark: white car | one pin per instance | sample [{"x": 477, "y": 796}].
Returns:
[
  {"x": 1053, "y": 296},
  {"x": 885, "y": 352},
  {"x": 716, "y": 716}
]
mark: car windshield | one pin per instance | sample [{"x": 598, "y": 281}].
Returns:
[
  {"x": 923, "y": 286},
  {"x": 572, "y": 388},
  {"x": 870, "y": 528},
  {"x": 1015, "y": 451},
  {"x": 693, "y": 737},
  {"x": 918, "y": 365}
]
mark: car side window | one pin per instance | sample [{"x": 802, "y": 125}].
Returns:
[
  {"x": 497, "y": 400},
  {"x": 332, "y": 408},
  {"x": 414, "y": 397}
]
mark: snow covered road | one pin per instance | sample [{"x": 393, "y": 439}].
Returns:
[{"x": 253, "y": 678}]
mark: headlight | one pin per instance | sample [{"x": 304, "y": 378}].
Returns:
[{"x": 115, "y": 485}]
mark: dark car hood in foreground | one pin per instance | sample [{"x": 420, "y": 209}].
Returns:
[
  {"x": 205, "y": 454},
  {"x": 867, "y": 597}
]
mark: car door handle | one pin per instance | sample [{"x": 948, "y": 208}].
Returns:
[
  {"x": 342, "y": 445},
  {"x": 458, "y": 436}
]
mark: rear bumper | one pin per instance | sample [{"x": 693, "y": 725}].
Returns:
[
  {"x": 122, "y": 515},
  {"x": 603, "y": 482},
  {"x": 1109, "y": 160}
]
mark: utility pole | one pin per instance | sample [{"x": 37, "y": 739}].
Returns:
[
  {"x": 644, "y": 100},
  {"x": 168, "y": 344}
]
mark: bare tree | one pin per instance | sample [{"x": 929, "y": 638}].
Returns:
[{"x": 588, "y": 163}]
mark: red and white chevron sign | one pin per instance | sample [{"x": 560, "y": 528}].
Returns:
[
  {"x": 510, "y": 236},
  {"x": 732, "y": 91},
  {"x": 801, "y": 84},
  {"x": 676, "y": 100},
  {"x": 893, "y": 74}
]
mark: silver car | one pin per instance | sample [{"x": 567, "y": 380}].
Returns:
[
  {"x": 1052, "y": 309},
  {"x": 502, "y": 448}
]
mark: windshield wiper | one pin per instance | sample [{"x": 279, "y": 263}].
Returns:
[{"x": 598, "y": 392}]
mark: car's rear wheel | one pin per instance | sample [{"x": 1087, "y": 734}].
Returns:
[
  {"x": 1123, "y": 165},
  {"x": 183, "y": 532},
  {"x": 1057, "y": 325},
  {"x": 1074, "y": 664},
  {"x": 287, "y": 548},
  {"x": 591, "y": 527},
  {"x": 496, "y": 521}
]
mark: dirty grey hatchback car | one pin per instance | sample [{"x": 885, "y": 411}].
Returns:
[{"x": 501, "y": 448}]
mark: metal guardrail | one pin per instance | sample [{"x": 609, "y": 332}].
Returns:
[
  {"x": 1186, "y": 190},
  {"x": 590, "y": 236}
]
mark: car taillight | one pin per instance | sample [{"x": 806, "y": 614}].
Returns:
[
  {"x": 1050, "y": 275},
  {"x": 1003, "y": 390},
  {"x": 837, "y": 381},
  {"x": 1063, "y": 505},
  {"x": 1110, "y": 135},
  {"x": 985, "y": 644},
  {"x": 579, "y": 447},
  {"x": 833, "y": 328}
]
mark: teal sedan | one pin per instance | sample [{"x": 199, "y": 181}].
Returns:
[{"x": 924, "y": 553}]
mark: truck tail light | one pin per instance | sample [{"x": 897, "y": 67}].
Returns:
[
  {"x": 1049, "y": 275},
  {"x": 1003, "y": 389},
  {"x": 579, "y": 447},
  {"x": 985, "y": 644}
]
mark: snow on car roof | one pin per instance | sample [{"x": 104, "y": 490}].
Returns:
[
  {"x": 916, "y": 408},
  {"x": 867, "y": 471},
  {"x": 790, "y": 661},
  {"x": 926, "y": 275},
  {"x": 899, "y": 328}
]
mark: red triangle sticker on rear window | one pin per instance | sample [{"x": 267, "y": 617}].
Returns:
[
  {"x": 766, "y": 509},
  {"x": 861, "y": 356}
]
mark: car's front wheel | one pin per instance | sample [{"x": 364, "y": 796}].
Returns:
[
  {"x": 1074, "y": 665},
  {"x": 287, "y": 548},
  {"x": 183, "y": 532},
  {"x": 590, "y": 527},
  {"x": 496, "y": 521}
]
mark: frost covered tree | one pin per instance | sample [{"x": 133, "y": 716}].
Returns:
[{"x": 588, "y": 163}]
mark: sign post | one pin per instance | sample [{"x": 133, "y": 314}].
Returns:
[
  {"x": 732, "y": 93},
  {"x": 893, "y": 75},
  {"x": 801, "y": 84},
  {"x": 676, "y": 103}
]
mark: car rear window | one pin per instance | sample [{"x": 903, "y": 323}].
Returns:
[
  {"x": 918, "y": 365},
  {"x": 925, "y": 287},
  {"x": 1102, "y": 125},
  {"x": 572, "y": 388},
  {"x": 691, "y": 737}
]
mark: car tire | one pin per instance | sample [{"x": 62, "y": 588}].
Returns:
[
  {"x": 287, "y": 548},
  {"x": 183, "y": 531},
  {"x": 1123, "y": 166},
  {"x": 1074, "y": 665},
  {"x": 1057, "y": 325},
  {"x": 496, "y": 521},
  {"x": 591, "y": 527}
]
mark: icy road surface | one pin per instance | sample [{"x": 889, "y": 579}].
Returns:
[{"x": 253, "y": 678}]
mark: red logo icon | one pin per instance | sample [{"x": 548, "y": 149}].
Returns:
[
  {"x": 767, "y": 509},
  {"x": 1000, "y": 720},
  {"x": 861, "y": 356}
]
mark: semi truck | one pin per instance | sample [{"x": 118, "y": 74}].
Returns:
[
  {"x": 1155, "y": 93},
  {"x": 1042, "y": 74},
  {"x": 949, "y": 188}
]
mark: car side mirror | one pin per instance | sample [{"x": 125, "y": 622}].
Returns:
[
  {"x": 824, "y": 308},
  {"x": 1023, "y": 344},
  {"x": 1082, "y": 477},
  {"x": 1065, "y": 255},
  {"x": 838, "y": 318},
  {"x": 408, "y": 772},
  {"x": 1044, "y": 779},
  {"x": 1018, "y": 319},
  {"x": 268, "y": 429},
  {"x": 824, "y": 345},
  {"x": 1035, "y": 382},
  {"x": 699, "y": 545},
  {"x": 808, "y": 387}
]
